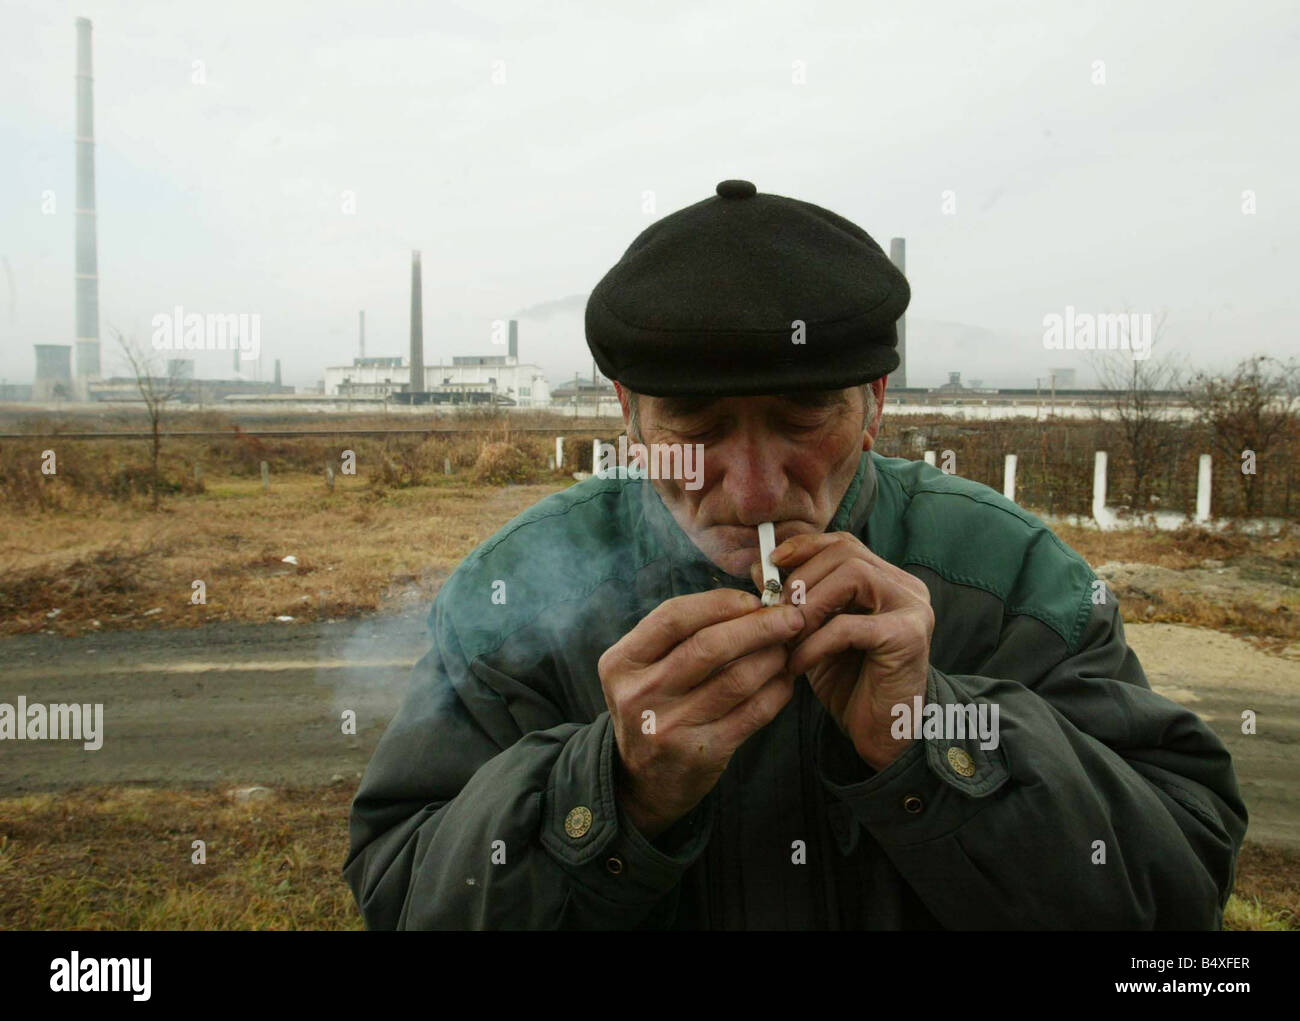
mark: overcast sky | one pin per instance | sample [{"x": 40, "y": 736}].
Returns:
[{"x": 228, "y": 195}]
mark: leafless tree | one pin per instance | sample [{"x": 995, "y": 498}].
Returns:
[
  {"x": 1249, "y": 413},
  {"x": 1138, "y": 403},
  {"x": 157, "y": 386}
]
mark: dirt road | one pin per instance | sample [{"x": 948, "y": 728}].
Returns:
[{"x": 237, "y": 705}]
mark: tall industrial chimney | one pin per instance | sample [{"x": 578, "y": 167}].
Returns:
[
  {"x": 417, "y": 329},
  {"x": 87, "y": 272},
  {"x": 513, "y": 349},
  {"x": 898, "y": 256},
  {"x": 363, "y": 333},
  {"x": 277, "y": 372}
]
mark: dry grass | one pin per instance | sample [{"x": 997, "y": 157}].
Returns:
[
  {"x": 358, "y": 550},
  {"x": 1265, "y": 612},
  {"x": 1187, "y": 547},
  {"x": 120, "y": 858}
]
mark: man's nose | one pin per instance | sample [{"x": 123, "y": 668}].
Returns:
[{"x": 754, "y": 479}]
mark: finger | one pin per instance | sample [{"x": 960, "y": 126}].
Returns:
[
  {"x": 893, "y": 589},
  {"x": 853, "y": 587},
  {"x": 726, "y": 689},
  {"x": 674, "y": 620},
  {"x": 873, "y": 634},
  {"x": 801, "y": 549},
  {"x": 713, "y": 647},
  {"x": 751, "y": 715}
]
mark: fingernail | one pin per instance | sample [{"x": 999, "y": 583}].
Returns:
[{"x": 791, "y": 618}]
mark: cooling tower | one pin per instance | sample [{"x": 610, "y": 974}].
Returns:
[{"x": 53, "y": 372}]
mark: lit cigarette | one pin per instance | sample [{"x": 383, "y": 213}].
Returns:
[{"x": 771, "y": 576}]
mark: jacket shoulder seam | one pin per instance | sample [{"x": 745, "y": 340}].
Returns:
[{"x": 1077, "y": 626}]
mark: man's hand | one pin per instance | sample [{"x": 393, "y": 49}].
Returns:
[
  {"x": 865, "y": 645},
  {"x": 712, "y": 671}
]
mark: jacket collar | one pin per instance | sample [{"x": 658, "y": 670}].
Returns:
[{"x": 690, "y": 570}]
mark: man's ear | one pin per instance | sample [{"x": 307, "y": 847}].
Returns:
[
  {"x": 621, "y": 391},
  {"x": 873, "y": 427}
]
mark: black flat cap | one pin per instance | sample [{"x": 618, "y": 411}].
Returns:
[{"x": 705, "y": 300}]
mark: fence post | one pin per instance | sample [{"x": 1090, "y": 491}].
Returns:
[
  {"x": 929, "y": 458},
  {"x": 559, "y": 452},
  {"x": 198, "y": 473},
  {"x": 446, "y": 465},
  {"x": 266, "y": 477},
  {"x": 329, "y": 477},
  {"x": 1099, "y": 487},
  {"x": 1009, "y": 478},
  {"x": 595, "y": 456},
  {"x": 1203, "y": 490}
]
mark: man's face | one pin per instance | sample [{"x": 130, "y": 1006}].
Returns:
[{"x": 787, "y": 459}]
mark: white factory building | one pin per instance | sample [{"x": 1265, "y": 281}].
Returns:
[{"x": 469, "y": 377}]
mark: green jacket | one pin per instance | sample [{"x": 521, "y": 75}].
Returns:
[{"x": 460, "y": 821}]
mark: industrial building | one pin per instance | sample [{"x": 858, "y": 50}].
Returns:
[{"x": 469, "y": 379}]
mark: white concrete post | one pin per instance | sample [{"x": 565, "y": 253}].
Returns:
[
  {"x": 595, "y": 457},
  {"x": 1009, "y": 478},
  {"x": 1099, "y": 487},
  {"x": 559, "y": 452},
  {"x": 929, "y": 458},
  {"x": 1203, "y": 490}
]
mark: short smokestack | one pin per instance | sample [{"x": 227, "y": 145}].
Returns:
[
  {"x": 417, "y": 327},
  {"x": 513, "y": 349},
  {"x": 87, "y": 264},
  {"x": 363, "y": 333},
  {"x": 898, "y": 256},
  {"x": 277, "y": 372}
]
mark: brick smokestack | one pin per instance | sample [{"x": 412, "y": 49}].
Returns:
[
  {"x": 417, "y": 328},
  {"x": 898, "y": 256}
]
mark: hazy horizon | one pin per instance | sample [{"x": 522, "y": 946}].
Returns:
[{"x": 1021, "y": 182}]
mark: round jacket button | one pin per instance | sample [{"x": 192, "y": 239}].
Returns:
[
  {"x": 961, "y": 762},
  {"x": 737, "y": 189},
  {"x": 578, "y": 822},
  {"x": 912, "y": 804},
  {"x": 614, "y": 865}
]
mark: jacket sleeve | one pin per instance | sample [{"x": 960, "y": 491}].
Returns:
[
  {"x": 471, "y": 818},
  {"x": 1103, "y": 805}
]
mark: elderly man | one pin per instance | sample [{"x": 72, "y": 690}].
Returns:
[{"x": 939, "y": 726}]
